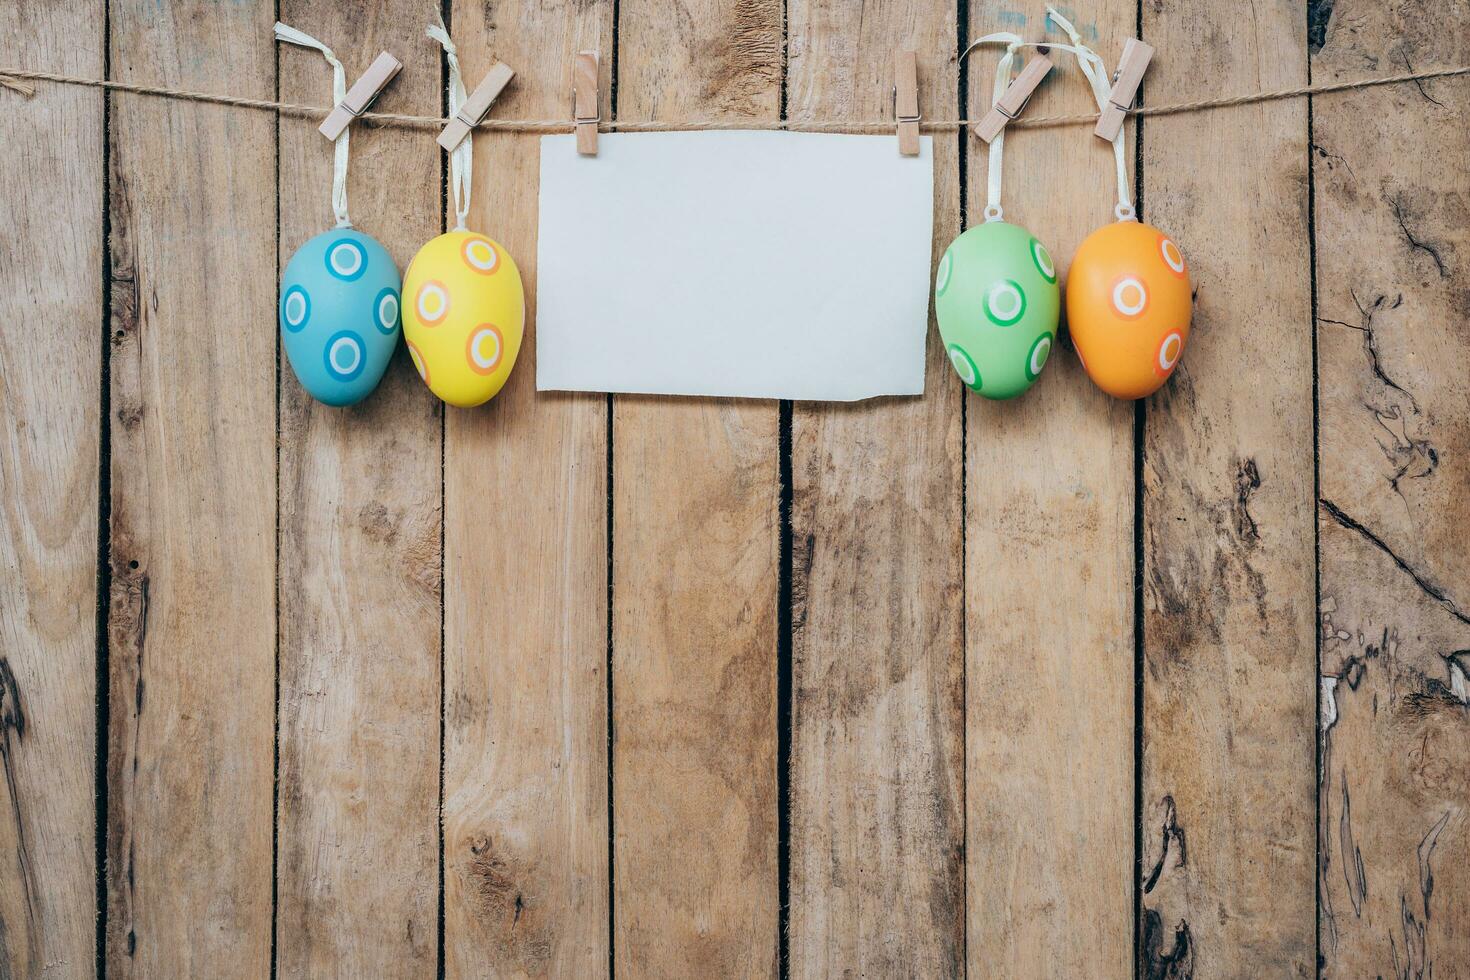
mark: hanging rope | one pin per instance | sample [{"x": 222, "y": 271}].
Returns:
[
  {"x": 285, "y": 32},
  {"x": 462, "y": 158},
  {"x": 8, "y": 77}
]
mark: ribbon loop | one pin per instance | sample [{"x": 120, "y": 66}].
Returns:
[
  {"x": 285, "y": 32},
  {"x": 1098, "y": 79},
  {"x": 461, "y": 158},
  {"x": 995, "y": 163}
]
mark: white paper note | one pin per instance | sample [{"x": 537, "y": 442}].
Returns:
[{"x": 750, "y": 264}]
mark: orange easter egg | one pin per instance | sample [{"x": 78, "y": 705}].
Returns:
[{"x": 1128, "y": 307}]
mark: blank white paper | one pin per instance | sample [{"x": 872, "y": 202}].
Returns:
[{"x": 748, "y": 264}]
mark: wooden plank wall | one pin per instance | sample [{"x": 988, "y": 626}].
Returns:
[
  {"x": 1049, "y": 583},
  {"x": 877, "y": 629},
  {"x": 573, "y": 685},
  {"x": 358, "y": 579},
  {"x": 50, "y": 455},
  {"x": 695, "y": 493},
  {"x": 1228, "y": 636},
  {"x": 193, "y": 619},
  {"x": 525, "y": 617},
  {"x": 1392, "y": 242}
]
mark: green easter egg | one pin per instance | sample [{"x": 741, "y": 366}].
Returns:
[{"x": 997, "y": 300}]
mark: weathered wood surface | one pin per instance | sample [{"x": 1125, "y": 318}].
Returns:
[
  {"x": 358, "y": 815},
  {"x": 877, "y": 754},
  {"x": 1392, "y": 246},
  {"x": 1048, "y": 583},
  {"x": 525, "y": 696},
  {"x": 695, "y": 582},
  {"x": 51, "y": 268},
  {"x": 1229, "y": 686},
  {"x": 608, "y": 574},
  {"x": 192, "y": 620}
]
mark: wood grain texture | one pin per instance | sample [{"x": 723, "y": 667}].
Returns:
[
  {"x": 50, "y": 353},
  {"x": 1229, "y": 566},
  {"x": 525, "y": 724},
  {"x": 1392, "y": 247},
  {"x": 358, "y": 816},
  {"x": 1049, "y": 611},
  {"x": 877, "y": 758},
  {"x": 695, "y": 582},
  {"x": 192, "y": 622}
]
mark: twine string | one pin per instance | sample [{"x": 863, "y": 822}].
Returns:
[{"x": 9, "y": 78}]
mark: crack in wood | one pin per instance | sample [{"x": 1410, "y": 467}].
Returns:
[
  {"x": 1396, "y": 202},
  {"x": 1173, "y": 843},
  {"x": 1156, "y": 963},
  {"x": 1427, "y": 587},
  {"x": 12, "y": 732}
]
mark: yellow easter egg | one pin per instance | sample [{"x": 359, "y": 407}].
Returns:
[{"x": 464, "y": 314}]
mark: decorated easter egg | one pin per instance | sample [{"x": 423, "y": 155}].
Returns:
[
  {"x": 339, "y": 314},
  {"x": 1128, "y": 307},
  {"x": 463, "y": 315},
  {"x": 997, "y": 301}
]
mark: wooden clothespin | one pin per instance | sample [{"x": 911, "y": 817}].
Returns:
[
  {"x": 586, "y": 107},
  {"x": 1014, "y": 98},
  {"x": 1136, "y": 56},
  {"x": 476, "y": 106},
  {"x": 360, "y": 97},
  {"x": 906, "y": 102}
]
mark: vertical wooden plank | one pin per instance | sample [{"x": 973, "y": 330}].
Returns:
[
  {"x": 1229, "y": 560},
  {"x": 193, "y": 624},
  {"x": 695, "y": 580},
  {"x": 358, "y": 816},
  {"x": 1049, "y": 545},
  {"x": 50, "y": 380},
  {"x": 525, "y": 722},
  {"x": 877, "y": 758},
  {"x": 1394, "y": 430}
]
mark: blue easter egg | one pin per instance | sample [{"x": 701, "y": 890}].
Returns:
[{"x": 339, "y": 314}]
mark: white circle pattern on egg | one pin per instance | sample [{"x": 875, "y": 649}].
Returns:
[
  {"x": 480, "y": 255},
  {"x": 418, "y": 361},
  {"x": 1036, "y": 360},
  {"x": 297, "y": 307},
  {"x": 1129, "y": 297},
  {"x": 1042, "y": 258},
  {"x": 946, "y": 262},
  {"x": 432, "y": 303},
  {"x": 964, "y": 366},
  {"x": 386, "y": 310},
  {"x": 1169, "y": 351},
  {"x": 346, "y": 260},
  {"x": 483, "y": 349},
  {"x": 344, "y": 356},
  {"x": 1172, "y": 257},
  {"x": 1005, "y": 303}
]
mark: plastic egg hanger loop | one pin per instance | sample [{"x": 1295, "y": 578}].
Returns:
[
  {"x": 461, "y": 158},
  {"x": 1097, "y": 76},
  {"x": 289, "y": 34}
]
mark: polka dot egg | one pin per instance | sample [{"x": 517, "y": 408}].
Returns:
[
  {"x": 1128, "y": 307},
  {"x": 339, "y": 315},
  {"x": 463, "y": 317},
  {"x": 997, "y": 301}
]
